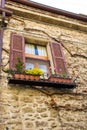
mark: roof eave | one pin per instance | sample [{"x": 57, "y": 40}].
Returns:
[{"x": 52, "y": 9}]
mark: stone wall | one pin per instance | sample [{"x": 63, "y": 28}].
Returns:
[
  {"x": 28, "y": 108},
  {"x": 25, "y": 108}
]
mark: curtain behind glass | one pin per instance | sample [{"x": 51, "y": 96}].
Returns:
[
  {"x": 41, "y": 51},
  {"x": 30, "y": 49}
]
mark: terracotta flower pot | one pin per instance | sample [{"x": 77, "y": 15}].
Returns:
[
  {"x": 31, "y": 77},
  {"x": 37, "y": 77},
  {"x": 27, "y": 77},
  {"x": 22, "y": 76},
  {"x": 60, "y": 80},
  {"x": 17, "y": 76}
]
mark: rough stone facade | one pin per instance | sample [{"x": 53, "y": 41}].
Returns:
[{"x": 25, "y": 108}]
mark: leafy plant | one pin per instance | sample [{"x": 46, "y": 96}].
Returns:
[
  {"x": 7, "y": 70},
  {"x": 64, "y": 75},
  {"x": 54, "y": 75},
  {"x": 28, "y": 71},
  {"x": 19, "y": 66},
  {"x": 34, "y": 71}
]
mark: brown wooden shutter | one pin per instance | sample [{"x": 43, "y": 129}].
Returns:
[
  {"x": 1, "y": 37},
  {"x": 58, "y": 58},
  {"x": 16, "y": 49}
]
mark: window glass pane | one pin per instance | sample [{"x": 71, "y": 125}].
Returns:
[
  {"x": 29, "y": 65},
  {"x": 43, "y": 68},
  {"x": 35, "y": 50},
  {"x": 42, "y": 51},
  {"x": 30, "y": 49}
]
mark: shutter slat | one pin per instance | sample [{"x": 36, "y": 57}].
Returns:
[
  {"x": 16, "y": 50},
  {"x": 58, "y": 58}
]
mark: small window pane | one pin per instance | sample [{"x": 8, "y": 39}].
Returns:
[
  {"x": 35, "y": 50},
  {"x": 43, "y": 68},
  {"x": 29, "y": 65},
  {"x": 42, "y": 51},
  {"x": 30, "y": 49}
]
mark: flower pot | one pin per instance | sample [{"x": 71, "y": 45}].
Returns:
[
  {"x": 17, "y": 76},
  {"x": 60, "y": 80},
  {"x": 22, "y": 76},
  {"x": 27, "y": 77},
  {"x": 31, "y": 77},
  {"x": 53, "y": 79},
  {"x": 36, "y": 77}
]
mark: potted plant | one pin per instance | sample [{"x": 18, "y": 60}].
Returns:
[
  {"x": 53, "y": 77},
  {"x": 63, "y": 78},
  {"x": 33, "y": 74},
  {"x": 19, "y": 69},
  {"x": 66, "y": 78}
]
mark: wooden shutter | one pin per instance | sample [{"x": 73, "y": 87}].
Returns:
[
  {"x": 1, "y": 37},
  {"x": 58, "y": 58},
  {"x": 16, "y": 49}
]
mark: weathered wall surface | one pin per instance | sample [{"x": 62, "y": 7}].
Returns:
[{"x": 26, "y": 108}]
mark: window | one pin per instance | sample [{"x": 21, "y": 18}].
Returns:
[
  {"x": 35, "y": 50},
  {"x": 36, "y": 55}
]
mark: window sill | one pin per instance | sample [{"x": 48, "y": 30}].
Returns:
[
  {"x": 36, "y": 56},
  {"x": 43, "y": 82}
]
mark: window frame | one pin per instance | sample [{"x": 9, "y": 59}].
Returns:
[{"x": 38, "y": 58}]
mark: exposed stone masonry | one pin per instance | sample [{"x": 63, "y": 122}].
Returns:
[{"x": 25, "y": 108}]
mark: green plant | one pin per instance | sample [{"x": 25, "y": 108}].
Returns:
[
  {"x": 28, "y": 71},
  {"x": 64, "y": 75},
  {"x": 54, "y": 75},
  {"x": 19, "y": 66},
  {"x": 7, "y": 70},
  {"x": 34, "y": 71}
]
